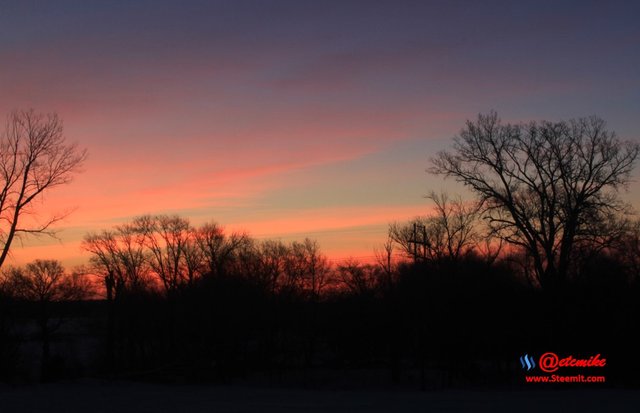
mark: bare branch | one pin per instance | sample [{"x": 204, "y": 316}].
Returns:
[
  {"x": 34, "y": 158},
  {"x": 541, "y": 185}
]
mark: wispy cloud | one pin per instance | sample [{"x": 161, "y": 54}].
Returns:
[{"x": 297, "y": 117}]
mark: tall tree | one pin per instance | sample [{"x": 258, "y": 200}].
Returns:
[
  {"x": 167, "y": 238},
  {"x": 542, "y": 184},
  {"x": 120, "y": 259},
  {"x": 34, "y": 158}
]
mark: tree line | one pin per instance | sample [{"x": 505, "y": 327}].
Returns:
[
  {"x": 544, "y": 257},
  {"x": 172, "y": 301},
  {"x": 167, "y": 252}
]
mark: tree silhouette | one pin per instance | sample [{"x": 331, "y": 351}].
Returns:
[
  {"x": 386, "y": 261},
  {"x": 271, "y": 256},
  {"x": 360, "y": 278},
  {"x": 44, "y": 282},
  {"x": 542, "y": 185},
  {"x": 218, "y": 249},
  {"x": 34, "y": 157},
  {"x": 119, "y": 258},
  {"x": 450, "y": 233},
  {"x": 167, "y": 239},
  {"x": 306, "y": 269}
]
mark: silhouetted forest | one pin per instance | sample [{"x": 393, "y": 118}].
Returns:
[
  {"x": 545, "y": 258},
  {"x": 282, "y": 314}
]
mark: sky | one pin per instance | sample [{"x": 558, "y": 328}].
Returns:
[{"x": 294, "y": 119}]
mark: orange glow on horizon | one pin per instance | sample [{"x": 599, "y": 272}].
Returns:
[{"x": 342, "y": 232}]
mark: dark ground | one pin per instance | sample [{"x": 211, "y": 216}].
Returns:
[{"x": 122, "y": 397}]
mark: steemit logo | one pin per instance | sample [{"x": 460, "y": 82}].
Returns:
[{"x": 527, "y": 362}]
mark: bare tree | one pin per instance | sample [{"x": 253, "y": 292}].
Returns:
[
  {"x": 132, "y": 257},
  {"x": 120, "y": 259},
  {"x": 359, "y": 278},
  {"x": 272, "y": 259},
  {"x": 542, "y": 185},
  {"x": 219, "y": 250},
  {"x": 43, "y": 282},
  {"x": 386, "y": 262},
  {"x": 194, "y": 262},
  {"x": 403, "y": 235},
  {"x": 34, "y": 158},
  {"x": 167, "y": 238},
  {"x": 450, "y": 233},
  {"x": 453, "y": 228},
  {"x": 306, "y": 268}
]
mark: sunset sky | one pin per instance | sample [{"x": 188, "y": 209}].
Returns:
[{"x": 293, "y": 119}]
